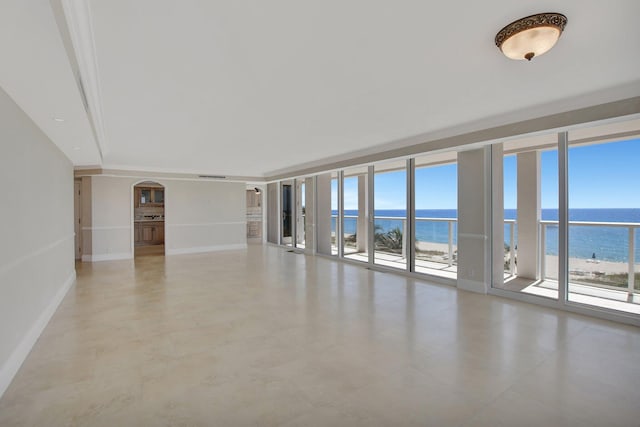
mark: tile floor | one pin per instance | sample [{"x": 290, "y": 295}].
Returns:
[{"x": 271, "y": 338}]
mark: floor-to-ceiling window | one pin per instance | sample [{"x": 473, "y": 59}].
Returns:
[
  {"x": 436, "y": 213},
  {"x": 300, "y": 213},
  {"x": 335, "y": 223},
  {"x": 362, "y": 215},
  {"x": 354, "y": 222},
  {"x": 604, "y": 217},
  {"x": 510, "y": 198},
  {"x": 287, "y": 210},
  {"x": 390, "y": 214},
  {"x": 599, "y": 267},
  {"x": 530, "y": 217}
]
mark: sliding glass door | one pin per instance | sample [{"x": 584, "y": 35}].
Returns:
[
  {"x": 300, "y": 213},
  {"x": 355, "y": 218},
  {"x": 530, "y": 217},
  {"x": 286, "y": 196},
  {"x": 589, "y": 254},
  {"x": 335, "y": 223},
  {"x": 390, "y": 214},
  {"x": 604, "y": 217},
  {"x": 436, "y": 213}
]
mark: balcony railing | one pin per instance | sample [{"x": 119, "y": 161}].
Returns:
[
  {"x": 510, "y": 224},
  {"x": 402, "y": 221},
  {"x": 631, "y": 232}
]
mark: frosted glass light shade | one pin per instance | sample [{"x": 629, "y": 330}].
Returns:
[{"x": 532, "y": 36}]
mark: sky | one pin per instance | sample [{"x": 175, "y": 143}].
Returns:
[{"x": 600, "y": 176}]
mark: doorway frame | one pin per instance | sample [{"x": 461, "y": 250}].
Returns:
[{"x": 132, "y": 192}]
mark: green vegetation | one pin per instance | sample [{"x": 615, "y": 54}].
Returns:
[
  {"x": 391, "y": 241},
  {"x": 618, "y": 280}
]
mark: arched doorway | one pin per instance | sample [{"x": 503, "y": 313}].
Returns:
[{"x": 148, "y": 218}]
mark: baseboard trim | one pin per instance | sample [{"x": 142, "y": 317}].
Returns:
[
  {"x": 201, "y": 249},
  {"x": 472, "y": 286},
  {"x": 20, "y": 353},
  {"x": 107, "y": 257}
]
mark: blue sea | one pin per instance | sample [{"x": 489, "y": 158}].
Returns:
[{"x": 607, "y": 243}]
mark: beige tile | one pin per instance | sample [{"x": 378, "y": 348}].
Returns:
[
  {"x": 265, "y": 337},
  {"x": 513, "y": 409}
]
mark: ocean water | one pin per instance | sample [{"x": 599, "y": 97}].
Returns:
[{"x": 608, "y": 243}]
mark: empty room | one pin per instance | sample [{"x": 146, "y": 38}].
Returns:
[{"x": 292, "y": 213}]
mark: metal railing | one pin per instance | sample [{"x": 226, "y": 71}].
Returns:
[
  {"x": 511, "y": 224},
  {"x": 403, "y": 220},
  {"x": 630, "y": 226}
]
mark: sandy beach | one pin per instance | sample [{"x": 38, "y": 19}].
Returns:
[
  {"x": 430, "y": 246},
  {"x": 580, "y": 266},
  {"x": 577, "y": 266}
]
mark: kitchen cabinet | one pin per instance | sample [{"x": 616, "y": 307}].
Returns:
[
  {"x": 149, "y": 196},
  {"x": 149, "y": 233}
]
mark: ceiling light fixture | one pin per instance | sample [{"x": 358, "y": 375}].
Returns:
[
  {"x": 531, "y": 36},
  {"x": 58, "y": 119}
]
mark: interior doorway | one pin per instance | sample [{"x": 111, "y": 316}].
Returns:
[
  {"x": 287, "y": 214},
  {"x": 254, "y": 214},
  {"x": 77, "y": 220},
  {"x": 148, "y": 218}
]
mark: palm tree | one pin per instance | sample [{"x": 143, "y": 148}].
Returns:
[{"x": 390, "y": 241}]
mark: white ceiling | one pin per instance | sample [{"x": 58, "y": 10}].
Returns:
[
  {"x": 250, "y": 87},
  {"x": 35, "y": 71}
]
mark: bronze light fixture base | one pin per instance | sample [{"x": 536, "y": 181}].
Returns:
[{"x": 531, "y": 36}]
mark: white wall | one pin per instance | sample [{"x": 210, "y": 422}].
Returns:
[
  {"x": 111, "y": 209},
  {"x": 200, "y": 216},
  {"x": 474, "y": 226},
  {"x": 204, "y": 216},
  {"x": 36, "y": 234}
]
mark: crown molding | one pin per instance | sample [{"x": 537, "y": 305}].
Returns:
[
  {"x": 78, "y": 18},
  {"x": 80, "y": 172}
]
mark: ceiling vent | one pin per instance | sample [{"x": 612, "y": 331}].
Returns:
[{"x": 212, "y": 176}]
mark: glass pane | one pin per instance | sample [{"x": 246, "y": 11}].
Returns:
[
  {"x": 355, "y": 221},
  {"x": 158, "y": 196},
  {"x": 287, "y": 214},
  {"x": 549, "y": 237},
  {"x": 510, "y": 181},
  {"x": 145, "y": 196},
  {"x": 436, "y": 229},
  {"x": 530, "y": 190},
  {"x": 604, "y": 214},
  {"x": 334, "y": 213},
  {"x": 390, "y": 201},
  {"x": 300, "y": 213}
]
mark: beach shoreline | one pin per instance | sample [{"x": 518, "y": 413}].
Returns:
[{"x": 577, "y": 266}]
